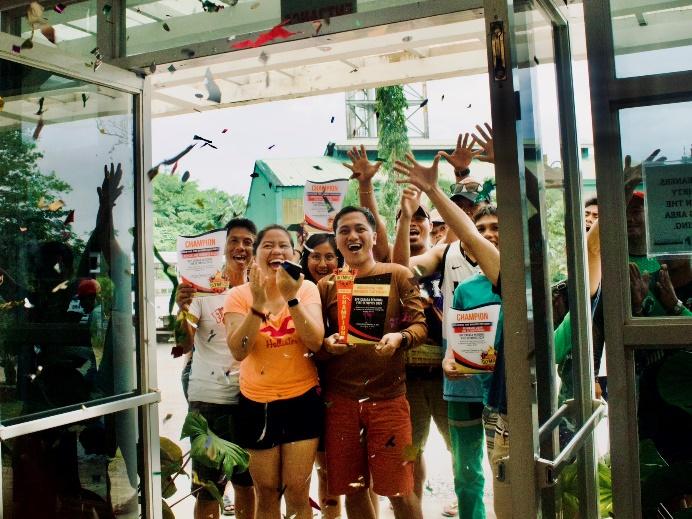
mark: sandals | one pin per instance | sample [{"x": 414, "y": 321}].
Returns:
[{"x": 228, "y": 506}]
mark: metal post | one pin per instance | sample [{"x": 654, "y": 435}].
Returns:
[{"x": 514, "y": 249}]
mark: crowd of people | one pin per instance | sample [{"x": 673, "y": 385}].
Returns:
[{"x": 272, "y": 373}]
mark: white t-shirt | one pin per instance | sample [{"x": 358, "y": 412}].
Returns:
[
  {"x": 456, "y": 267},
  {"x": 214, "y": 375}
]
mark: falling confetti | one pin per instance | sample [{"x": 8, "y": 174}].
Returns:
[
  {"x": 535, "y": 59},
  {"x": 16, "y": 49},
  {"x": 319, "y": 168},
  {"x": 276, "y": 32},
  {"x": 70, "y": 218},
  {"x": 187, "y": 52},
  {"x": 211, "y": 7},
  {"x": 59, "y": 8},
  {"x": 212, "y": 88},
  {"x": 37, "y": 131},
  {"x": 224, "y": 130},
  {"x": 40, "y": 106},
  {"x": 85, "y": 98},
  {"x": 27, "y": 44},
  {"x": 172, "y": 69},
  {"x": 407, "y": 39},
  {"x": 167, "y": 417},
  {"x": 332, "y": 121},
  {"x": 166, "y": 27},
  {"x": 200, "y": 203},
  {"x": 442, "y": 98},
  {"x": 185, "y": 178},
  {"x": 270, "y": 147},
  {"x": 469, "y": 106},
  {"x": 61, "y": 286},
  {"x": 390, "y": 442},
  {"x": 425, "y": 102},
  {"x": 199, "y": 96},
  {"x": 207, "y": 142},
  {"x": 313, "y": 504},
  {"x": 263, "y": 57},
  {"x": 152, "y": 68}
]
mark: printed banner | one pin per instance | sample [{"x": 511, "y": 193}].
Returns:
[
  {"x": 321, "y": 202},
  {"x": 471, "y": 334},
  {"x": 344, "y": 297},
  {"x": 668, "y": 203},
  {"x": 369, "y": 309},
  {"x": 201, "y": 261}
]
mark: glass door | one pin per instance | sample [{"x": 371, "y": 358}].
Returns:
[
  {"x": 539, "y": 188},
  {"x": 77, "y": 404}
]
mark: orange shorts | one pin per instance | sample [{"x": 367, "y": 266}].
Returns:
[{"x": 368, "y": 438}]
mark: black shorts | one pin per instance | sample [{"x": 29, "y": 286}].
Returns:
[
  {"x": 225, "y": 421},
  {"x": 281, "y": 421}
]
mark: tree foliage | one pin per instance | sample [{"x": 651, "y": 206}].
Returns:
[
  {"x": 391, "y": 104},
  {"x": 24, "y": 193},
  {"x": 183, "y": 209}
]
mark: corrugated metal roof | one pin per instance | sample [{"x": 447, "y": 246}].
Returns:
[{"x": 296, "y": 171}]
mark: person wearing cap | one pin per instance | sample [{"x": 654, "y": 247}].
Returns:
[
  {"x": 464, "y": 396},
  {"x": 438, "y": 233},
  {"x": 423, "y": 363}
]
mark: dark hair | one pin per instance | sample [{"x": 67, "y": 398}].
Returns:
[
  {"x": 484, "y": 210},
  {"x": 591, "y": 201},
  {"x": 353, "y": 209},
  {"x": 273, "y": 227},
  {"x": 243, "y": 223},
  {"x": 316, "y": 240}
]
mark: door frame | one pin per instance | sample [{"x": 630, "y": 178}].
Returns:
[{"x": 145, "y": 399}]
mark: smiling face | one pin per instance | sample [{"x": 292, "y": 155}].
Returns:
[
  {"x": 239, "y": 242},
  {"x": 322, "y": 261},
  {"x": 355, "y": 239},
  {"x": 273, "y": 250},
  {"x": 590, "y": 215},
  {"x": 419, "y": 232},
  {"x": 489, "y": 228}
]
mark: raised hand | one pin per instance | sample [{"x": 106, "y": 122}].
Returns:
[
  {"x": 410, "y": 201},
  {"x": 110, "y": 188},
  {"x": 485, "y": 141},
  {"x": 423, "y": 178},
  {"x": 363, "y": 170},
  {"x": 288, "y": 287},
  {"x": 633, "y": 174},
  {"x": 461, "y": 157},
  {"x": 257, "y": 284},
  {"x": 665, "y": 290},
  {"x": 639, "y": 288}
]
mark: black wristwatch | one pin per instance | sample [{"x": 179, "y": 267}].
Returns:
[
  {"x": 404, "y": 340},
  {"x": 292, "y": 302},
  {"x": 462, "y": 172}
]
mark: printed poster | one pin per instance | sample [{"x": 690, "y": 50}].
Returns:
[
  {"x": 321, "y": 202},
  {"x": 201, "y": 261},
  {"x": 471, "y": 334},
  {"x": 668, "y": 205},
  {"x": 369, "y": 309}
]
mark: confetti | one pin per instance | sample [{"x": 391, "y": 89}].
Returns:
[
  {"x": 61, "y": 286},
  {"x": 37, "y": 131},
  {"x": 207, "y": 142},
  {"x": 167, "y": 417},
  {"x": 332, "y": 121},
  {"x": 85, "y": 98},
  {"x": 166, "y": 27},
  {"x": 469, "y": 106},
  {"x": 390, "y": 442},
  {"x": 172, "y": 69},
  {"x": 211, "y": 7},
  {"x": 535, "y": 59},
  {"x": 276, "y": 32},
  {"x": 16, "y": 49},
  {"x": 263, "y": 57},
  {"x": 356, "y": 484},
  {"x": 59, "y": 8},
  {"x": 107, "y": 10},
  {"x": 199, "y": 96},
  {"x": 40, "y": 106},
  {"x": 152, "y": 68},
  {"x": 313, "y": 504},
  {"x": 425, "y": 102},
  {"x": 319, "y": 168},
  {"x": 27, "y": 44},
  {"x": 254, "y": 174},
  {"x": 270, "y": 147},
  {"x": 23, "y": 229},
  {"x": 185, "y": 178},
  {"x": 407, "y": 39},
  {"x": 442, "y": 98},
  {"x": 212, "y": 88}
]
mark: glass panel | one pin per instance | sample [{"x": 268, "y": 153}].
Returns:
[
  {"x": 659, "y": 212},
  {"x": 651, "y": 36},
  {"x": 85, "y": 470},
  {"x": 74, "y": 26},
  {"x": 161, "y": 24},
  {"x": 66, "y": 262},
  {"x": 664, "y": 400}
]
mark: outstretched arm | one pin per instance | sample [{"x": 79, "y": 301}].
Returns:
[
  {"x": 410, "y": 200},
  {"x": 425, "y": 179},
  {"x": 461, "y": 157},
  {"x": 363, "y": 172}
]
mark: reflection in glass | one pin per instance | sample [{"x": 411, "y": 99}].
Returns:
[
  {"x": 66, "y": 273},
  {"x": 659, "y": 207},
  {"x": 664, "y": 401},
  {"x": 651, "y": 36},
  {"x": 84, "y": 470}
]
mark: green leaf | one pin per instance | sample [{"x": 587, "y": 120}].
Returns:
[
  {"x": 674, "y": 380},
  {"x": 168, "y": 488},
  {"x": 649, "y": 459},
  {"x": 167, "y": 513},
  {"x": 210, "y": 450},
  {"x": 209, "y": 486},
  {"x": 171, "y": 458}
]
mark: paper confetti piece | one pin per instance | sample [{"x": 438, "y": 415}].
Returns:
[
  {"x": 40, "y": 106},
  {"x": 185, "y": 177},
  {"x": 207, "y": 142},
  {"x": 152, "y": 68},
  {"x": 59, "y": 8},
  {"x": 224, "y": 130},
  {"x": 275, "y": 33},
  {"x": 61, "y": 286},
  {"x": 167, "y": 417},
  {"x": 211, "y": 7},
  {"x": 390, "y": 442},
  {"x": 212, "y": 88},
  {"x": 313, "y": 504},
  {"x": 332, "y": 121},
  {"x": 188, "y": 52},
  {"x": 70, "y": 218},
  {"x": 172, "y": 69},
  {"x": 442, "y": 98},
  {"x": 27, "y": 44},
  {"x": 425, "y": 102},
  {"x": 37, "y": 131},
  {"x": 85, "y": 98},
  {"x": 319, "y": 168},
  {"x": 270, "y": 147}
]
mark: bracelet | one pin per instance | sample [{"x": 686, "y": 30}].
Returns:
[
  {"x": 259, "y": 314},
  {"x": 364, "y": 192}
]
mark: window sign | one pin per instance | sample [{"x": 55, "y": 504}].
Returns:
[{"x": 668, "y": 204}]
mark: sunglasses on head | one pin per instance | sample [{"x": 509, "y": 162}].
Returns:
[{"x": 466, "y": 187}]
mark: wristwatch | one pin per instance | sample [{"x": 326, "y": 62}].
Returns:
[
  {"x": 678, "y": 308},
  {"x": 292, "y": 302},
  {"x": 404, "y": 340},
  {"x": 462, "y": 172}
]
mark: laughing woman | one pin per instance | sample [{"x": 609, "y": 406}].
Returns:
[{"x": 273, "y": 323}]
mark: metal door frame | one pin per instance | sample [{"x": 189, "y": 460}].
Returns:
[
  {"x": 623, "y": 333},
  {"x": 521, "y": 349},
  {"x": 146, "y": 398}
]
